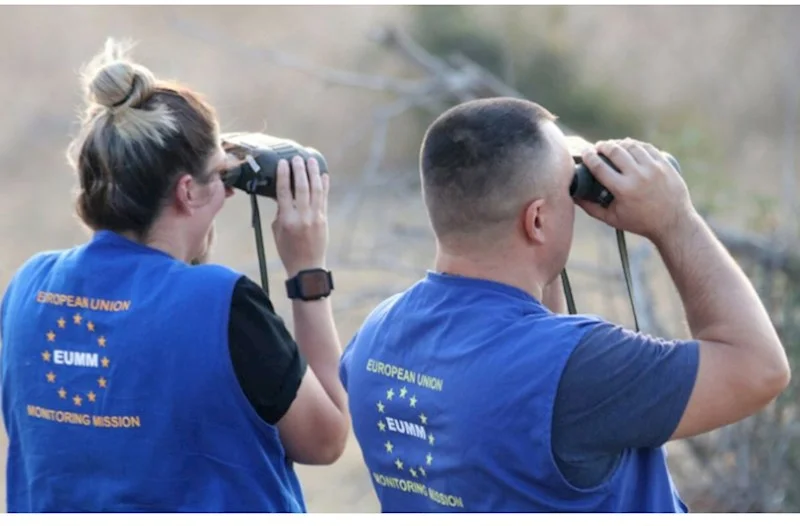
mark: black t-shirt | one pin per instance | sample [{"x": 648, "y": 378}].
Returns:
[{"x": 264, "y": 355}]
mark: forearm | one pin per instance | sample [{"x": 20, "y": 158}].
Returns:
[
  {"x": 318, "y": 341},
  {"x": 720, "y": 302}
]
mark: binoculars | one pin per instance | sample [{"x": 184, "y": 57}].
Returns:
[
  {"x": 258, "y": 155},
  {"x": 586, "y": 187}
]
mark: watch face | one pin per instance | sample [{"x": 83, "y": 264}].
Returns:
[{"x": 314, "y": 284}]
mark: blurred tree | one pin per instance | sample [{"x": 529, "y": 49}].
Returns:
[{"x": 537, "y": 64}]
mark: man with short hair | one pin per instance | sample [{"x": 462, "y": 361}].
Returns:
[{"x": 472, "y": 391}]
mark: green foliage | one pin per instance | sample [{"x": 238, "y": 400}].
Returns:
[{"x": 540, "y": 67}]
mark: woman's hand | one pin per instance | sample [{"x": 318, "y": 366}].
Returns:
[{"x": 301, "y": 223}]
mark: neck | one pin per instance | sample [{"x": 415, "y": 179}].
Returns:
[
  {"x": 166, "y": 238},
  {"x": 502, "y": 266}
]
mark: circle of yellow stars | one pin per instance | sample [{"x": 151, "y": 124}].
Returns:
[
  {"x": 105, "y": 362},
  {"x": 417, "y": 471}
]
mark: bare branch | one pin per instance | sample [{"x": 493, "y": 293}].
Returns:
[{"x": 212, "y": 36}]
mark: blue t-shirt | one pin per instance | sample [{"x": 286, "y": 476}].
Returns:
[{"x": 469, "y": 395}]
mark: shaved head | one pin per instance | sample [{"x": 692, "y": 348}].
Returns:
[{"x": 482, "y": 160}]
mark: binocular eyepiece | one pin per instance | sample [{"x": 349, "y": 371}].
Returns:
[
  {"x": 586, "y": 187},
  {"x": 258, "y": 155}
]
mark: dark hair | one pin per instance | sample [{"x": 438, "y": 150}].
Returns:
[
  {"x": 138, "y": 135},
  {"x": 474, "y": 152}
]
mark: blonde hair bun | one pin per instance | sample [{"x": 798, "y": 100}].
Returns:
[{"x": 114, "y": 81}]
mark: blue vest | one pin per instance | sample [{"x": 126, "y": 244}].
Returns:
[
  {"x": 119, "y": 393},
  {"x": 451, "y": 387}
]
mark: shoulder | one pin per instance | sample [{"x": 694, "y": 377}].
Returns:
[
  {"x": 615, "y": 374},
  {"x": 201, "y": 281},
  {"x": 29, "y": 272},
  {"x": 42, "y": 260},
  {"x": 619, "y": 390},
  {"x": 212, "y": 271},
  {"x": 610, "y": 357},
  {"x": 248, "y": 296}
]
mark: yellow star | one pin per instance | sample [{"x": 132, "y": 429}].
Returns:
[
  {"x": 101, "y": 341},
  {"x": 77, "y": 399},
  {"x": 422, "y": 470},
  {"x": 381, "y": 425},
  {"x": 92, "y": 397},
  {"x": 101, "y": 382},
  {"x": 62, "y": 393},
  {"x": 51, "y": 377},
  {"x": 413, "y": 401},
  {"x": 77, "y": 319},
  {"x": 403, "y": 392},
  {"x": 413, "y": 472},
  {"x": 46, "y": 356},
  {"x": 51, "y": 336},
  {"x": 429, "y": 459},
  {"x": 431, "y": 439},
  {"x": 90, "y": 326},
  {"x": 423, "y": 418},
  {"x": 390, "y": 394},
  {"x": 399, "y": 464},
  {"x": 105, "y": 361},
  {"x": 380, "y": 407},
  {"x": 389, "y": 446},
  {"x": 62, "y": 323}
]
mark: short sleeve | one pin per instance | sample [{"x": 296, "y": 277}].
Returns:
[
  {"x": 265, "y": 357},
  {"x": 619, "y": 390}
]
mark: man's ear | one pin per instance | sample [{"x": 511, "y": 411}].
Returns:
[{"x": 533, "y": 222}]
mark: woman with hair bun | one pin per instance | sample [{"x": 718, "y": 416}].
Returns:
[{"x": 135, "y": 375}]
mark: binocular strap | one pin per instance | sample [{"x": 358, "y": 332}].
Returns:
[
  {"x": 626, "y": 270},
  {"x": 262, "y": 258}
]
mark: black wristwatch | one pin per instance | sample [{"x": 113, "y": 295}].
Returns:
[{"x": 310, "y": 285}]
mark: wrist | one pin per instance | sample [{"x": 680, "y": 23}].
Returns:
[
  {"x": 294, "y": 270},
  {"x": 310, "y": 284},
  {"x": 680, "y": 228}
]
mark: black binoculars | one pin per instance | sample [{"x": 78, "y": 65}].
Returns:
[
  {"x": 258, "y": 155},
  {"x": 586, "y": 187}
]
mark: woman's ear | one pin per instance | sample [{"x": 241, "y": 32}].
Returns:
[{"x": 189, "y": 194}]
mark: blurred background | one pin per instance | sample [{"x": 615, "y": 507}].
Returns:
[{"x": 719, "y": 87}]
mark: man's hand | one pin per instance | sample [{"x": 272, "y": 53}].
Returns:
[
  {"x": 650, "y": 197},
  {"x": 742, "y": 363},
  {"x": 301, "y": 226}
]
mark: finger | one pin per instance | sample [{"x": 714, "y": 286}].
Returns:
[
  {"x": 606, "y": 175},
  {"x": 594, "y": 210},
  {"x": 638, "y": 153},
  {"x": 300, "y": 183},
  {"x": 314, "y": 184},
  {"x": 653, "y": 152},
  {"x": 326, "y": 186},
  {"x": 618, "y": 155},
  {"x": 283, "y": 192}
]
